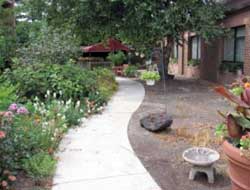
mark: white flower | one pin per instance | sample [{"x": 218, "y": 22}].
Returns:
[
  {"x": 60, "y": 92},
  {"x": 68, "y": 102},
  {"x": 48, "y": 92},
  {"x": 78, "y": 103},
  {"x": 54, "y": 95}
]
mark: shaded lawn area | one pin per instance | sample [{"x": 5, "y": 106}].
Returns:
[{"x": 193, "y": 105}]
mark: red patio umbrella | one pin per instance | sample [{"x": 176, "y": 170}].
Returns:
[{"x": 112, "y": 45}]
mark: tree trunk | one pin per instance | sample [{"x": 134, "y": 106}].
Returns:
[{"x": 166, "y": 51}]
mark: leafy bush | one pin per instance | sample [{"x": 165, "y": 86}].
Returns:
[
  {"x": 131, "y": 71},
  {"x": 173, "y": 61},
  {"x": 51, "y": 46},
  {"x": 150, "y": 75},
  {"x": 106, "y": 83},
  {"x": 40, "y": 165},
  {"x": 117, "y": 58},
  {"x": 72, "y": 81},
  {"x": 193, "y": 62},
  {"x": 7, "y": 96}
]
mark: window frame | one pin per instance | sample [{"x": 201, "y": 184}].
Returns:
[
  {"x": 198, "y": 48},
  {"x": 235, "y": 38},
  {"x": 176, "y": 49}
]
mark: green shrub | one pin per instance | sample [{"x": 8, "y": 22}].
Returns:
[
  {"x": 150, "y": 75},
  {"x": 193, "y": 62},
  {"x": 131, "y": 71},
  {"x": 72, "y": 81},
  {"x": 7, "y": 96},
  {"x": 106, "y": 83},
  {"x": 174, "y": 61},
  {"x": 40, "y": 165},
  {"x": 50, "y": 46},
  {"x": 117, "y": 58}
]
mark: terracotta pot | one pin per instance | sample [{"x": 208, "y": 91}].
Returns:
[
  {"x": 239, "y": 167},
  {"x": 118, "y": 70},
  {"x": 193, "y": 71},
  {"x": 173, "y": 68}
]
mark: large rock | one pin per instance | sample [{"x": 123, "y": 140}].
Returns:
[{"x": 156, "y": 122}]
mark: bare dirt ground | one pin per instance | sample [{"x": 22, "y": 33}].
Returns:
[{"x": 193, "y": 106}]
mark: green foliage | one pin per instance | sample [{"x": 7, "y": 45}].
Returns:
[
  {"x": 174, "y": 61},
  {"x": 106, "y": 83},
  {"x": 72, "y": 81},
  {"x": 150, "y": 75},
  {"x": 231, "y": 67},
  {"x": 40, "y": 165},
  {"x": 131, "y": 71},
  {"x": 50, "y": 46},
  {"x": 193, "y": 62},
  {"x": 7, "y": 96},
  {"x": 237, "y": 91},
  {"x": 245, "y": 142},
  {"x": 221, "y": 130},
  {"x": 117, "y": 58}
]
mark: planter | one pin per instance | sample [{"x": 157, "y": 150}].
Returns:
[
  {"x": 227, "y": 77},
  {"x": 118, "y": 70},
  {"x": 239, "y": 167},
  {"x": 193, "y": 71},
  {"x": 173, "y": 68},
  {"x": 150, "y": 82},
  {"x": 239, "y": 72}
]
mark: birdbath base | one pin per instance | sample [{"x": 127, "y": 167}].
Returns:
[{"x": 208, "y": 170}]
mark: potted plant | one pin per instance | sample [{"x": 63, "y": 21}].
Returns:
[
  {"x": 193, "y": 69},
  {"x": 236, "y": 134},
  {"x": 150, "y": 77},
  {"x": 117, "y": 60},
  {"x": 173, "y": 66},
  {"x": 131, "y": 71}
]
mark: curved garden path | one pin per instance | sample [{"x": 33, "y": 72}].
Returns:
[{"x": 99, "y": 156}]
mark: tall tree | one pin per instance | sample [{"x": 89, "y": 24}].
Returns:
[
  {"x": 141, "y": 23},
  {"x": 7, "y": 32}
]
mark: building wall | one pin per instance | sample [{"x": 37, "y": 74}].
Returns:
[{"x": 212, "y": 53}]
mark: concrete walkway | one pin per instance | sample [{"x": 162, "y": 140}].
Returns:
[{"x": 99, "y": 156}]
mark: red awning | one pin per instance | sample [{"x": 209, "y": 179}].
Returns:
[{"x": 112, "y": 45}]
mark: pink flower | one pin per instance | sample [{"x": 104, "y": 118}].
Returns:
[
  {"x": 8, "y": 114},
  {"x": 2, "y": 134},
  {"x": 22, "y": 111},
  {"x": 4, "y": 183},
  {"x": 12, "y": 178},
  {"x": 13, "y": 107}
]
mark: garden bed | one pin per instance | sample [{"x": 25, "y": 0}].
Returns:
[
  {"x": 36, "y": 114},
  {"x": 193, "y": 105}
]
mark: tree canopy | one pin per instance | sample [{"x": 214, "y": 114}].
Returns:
[{"x": 139, "y": 22}]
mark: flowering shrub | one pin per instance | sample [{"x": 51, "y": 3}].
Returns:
[
  {"x": 30, "y": 134},
  {"x": 72, "y": 81}
]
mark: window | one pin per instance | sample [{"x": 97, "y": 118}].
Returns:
[
  {"x": 196, "y": 48},
  {"x": 234, "y": 45},
  {"x": 176, "y": 53}
]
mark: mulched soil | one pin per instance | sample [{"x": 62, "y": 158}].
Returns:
[
  {"x": 24, "y": 182},
  {"x": 193, "y": 106}
]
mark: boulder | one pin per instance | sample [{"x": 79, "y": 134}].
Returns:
[{"x": 156, "y": 122}]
